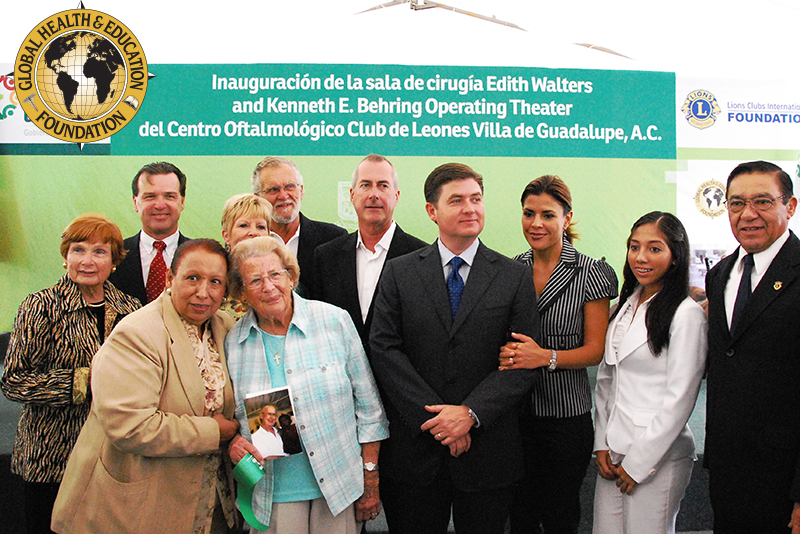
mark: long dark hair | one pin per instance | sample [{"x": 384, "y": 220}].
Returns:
[{"x": 676, "y": 280}]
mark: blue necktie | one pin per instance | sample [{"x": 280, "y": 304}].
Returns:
[
  {"x": 455, "y": 284},
  {"x": 744, "y": 291}
]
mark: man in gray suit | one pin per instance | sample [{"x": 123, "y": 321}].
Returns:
[
  {"x": 349, "y": 267},
  {"x": 441, "y": 315}
]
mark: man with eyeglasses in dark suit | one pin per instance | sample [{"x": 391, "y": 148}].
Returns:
[
  {"x": 753, "y": 405},
  {"x": 279, "y": 181}
]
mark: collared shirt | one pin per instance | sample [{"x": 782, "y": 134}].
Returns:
[
  {"x": 147, "y": 251},
  {"x": 369, "y": 266},
  {"x": 762, "y": 261},
  {"x": 293, "y": 242},
  {"x": 468, "y": 256},
  {"x": 336, "y": 401},
  {"x": 268, "y": 443}
]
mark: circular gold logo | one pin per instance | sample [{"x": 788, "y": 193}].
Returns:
[
  {"x": 80, "y": 75},
  {"x": 710, "y": 198}
]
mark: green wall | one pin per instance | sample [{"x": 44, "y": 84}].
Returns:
[{"x": 40, "y": 195}]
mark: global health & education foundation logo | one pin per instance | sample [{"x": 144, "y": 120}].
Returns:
[
  {"x": 80, "y": 75},
  {"x": 710, "y": 198},
  {"x": 701, "y": 109}
]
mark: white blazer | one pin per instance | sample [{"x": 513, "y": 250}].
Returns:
[{"x": 643, "y": 402}]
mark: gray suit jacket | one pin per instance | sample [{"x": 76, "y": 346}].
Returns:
[{"x": 422, "y": 356}]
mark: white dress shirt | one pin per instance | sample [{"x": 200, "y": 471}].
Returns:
[
  {"x": 468, "y": 256},
  {"x": 293, "y": 242},
  {"x": 369, "y": 266},
  {"x": 147, "y": 251},
  {"x": 762, "y": 261}
]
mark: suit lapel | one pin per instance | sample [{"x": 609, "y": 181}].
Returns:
[
  {"x": 716, "y": 305},
  {"x": 562, "y": 277},
  {"x": 431, "y": 276},
  {"x": 183, "y": 357},
  {"x": 481, "y": 274},
  {"x": 396, "y": 248},
  {"x": 349, "y": 266},
  {"x": 781, "y": 273},
  {"x": 636, "y": 336}
]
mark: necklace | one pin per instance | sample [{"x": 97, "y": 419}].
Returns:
[
  {"x": 96, "y": 304},
  {"x": 276, "y": 356}
]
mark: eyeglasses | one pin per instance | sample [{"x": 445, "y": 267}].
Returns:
[
  {"x": 736, "y": 205},
  {"x": 274, "y": 190},
  {"x": 275, "y": 277}
]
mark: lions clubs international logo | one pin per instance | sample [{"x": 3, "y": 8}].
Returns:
[
  {"x": 710, "y": 198},
  {"x": 80, "y": 75},
  {"x": 701, "y": 109}
]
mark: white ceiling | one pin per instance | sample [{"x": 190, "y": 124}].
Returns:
[{"x": 727, "y": 39}]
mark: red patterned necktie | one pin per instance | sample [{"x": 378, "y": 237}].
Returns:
[{"x": 158, "y": 273}]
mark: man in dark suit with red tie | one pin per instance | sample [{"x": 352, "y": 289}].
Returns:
[
  {"x": 753, "y": 404},
  {"x": 441, "y": 315},
  {"x": 159, "y": 191},
  {"x": 348, "y": 269}
]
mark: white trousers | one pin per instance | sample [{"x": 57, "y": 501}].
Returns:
[
  {"x": 651, "y": 508},
  {"x": 309, "y": 517}
]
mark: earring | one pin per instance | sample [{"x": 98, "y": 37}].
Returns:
[
  {"x": 114, "y": 269},
  {"x": 64, "y": 265},
  {"x": 169, "y": 291}
]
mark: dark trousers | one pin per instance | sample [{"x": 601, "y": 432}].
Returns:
[
  {"x": 414, "y": 509},
  {"x": 744, "y": 504},
  {"x": 39, "y": 500},
  {"x": 557, "y": 453}
]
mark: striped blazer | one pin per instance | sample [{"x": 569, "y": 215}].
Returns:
[
  {"x": 576, "y": 280},
  {"x": 54, "y": 335}
]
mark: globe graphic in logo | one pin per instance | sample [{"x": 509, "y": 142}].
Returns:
[{"x": 81, "y": 76}]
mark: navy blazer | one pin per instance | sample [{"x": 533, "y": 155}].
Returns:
[
  {"x": 312, "y": 235},
  {"x": 753, "y": 403},
  {"x": 128, "y": 275},
  {"x": 337, "y": 283},
  {"x": 422, "y": 356}
]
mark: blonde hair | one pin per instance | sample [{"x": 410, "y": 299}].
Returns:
[{"x": 245, "y": 205}]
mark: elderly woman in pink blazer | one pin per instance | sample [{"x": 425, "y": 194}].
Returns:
[{"x": 647, "y": 385}]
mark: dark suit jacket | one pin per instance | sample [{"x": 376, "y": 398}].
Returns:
[
  {"x": 337, "y": 284},
  {"x": 312, "y": 235},
  {"x": 422, "y": 356},
  {"x": 128, "y": 275},
  {"x": 753, "y": 412}
]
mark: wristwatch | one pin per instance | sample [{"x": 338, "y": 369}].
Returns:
[
  {"x": 371, "y": 467},
  {"x": 553, "y": 361}
]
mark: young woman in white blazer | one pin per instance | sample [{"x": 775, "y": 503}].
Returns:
[{"x": 647, "y": 385}]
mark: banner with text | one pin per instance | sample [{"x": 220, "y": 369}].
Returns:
[{"x": 307, "y": 109}]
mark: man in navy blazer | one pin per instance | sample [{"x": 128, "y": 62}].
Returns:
[
  {"x": 159, "y": 192},
  {"x": 436, "y": 335},
  {"x": 753, "y": 404},
  {"x": 279, "y": 181},
  {"x": 348, "y": 268}
]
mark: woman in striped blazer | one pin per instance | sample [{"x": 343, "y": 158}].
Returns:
[{"x": 574, "y": 292}]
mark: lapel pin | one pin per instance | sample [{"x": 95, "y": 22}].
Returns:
[{"x": 778, "y": 286}]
